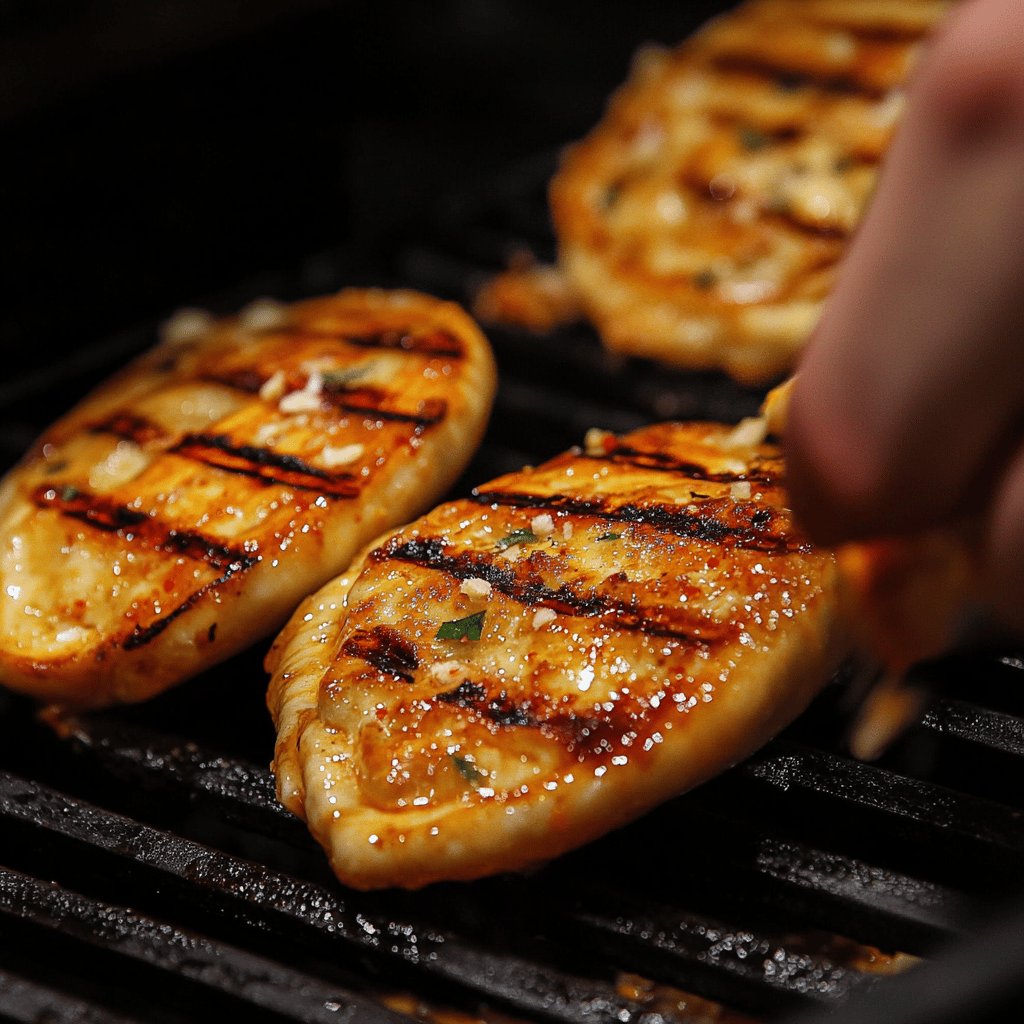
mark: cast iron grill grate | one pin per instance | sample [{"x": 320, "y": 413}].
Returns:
[{"x": 147, "y": 873}]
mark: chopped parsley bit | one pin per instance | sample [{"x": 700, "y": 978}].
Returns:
[
  {"x": 468, "y": 628},
  {"x": 69, "y": 493},
  {"x": 337, "y": 380},
  {"x": 468, "y": 770},
  {"x": 516, "y": 537},
  {"x": 705, "y": 279},
  {"x": 752, "y": 139},
  {"x": 609, "y": 536}
]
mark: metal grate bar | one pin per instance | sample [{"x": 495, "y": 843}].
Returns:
[
  {"x": 230, "y": 971},
  {"x": 935, "y": 810},
  {"x": 28, "y": 1002},
  {"x": 992, "y": 729},
  {"x": 268, "y": 900}
]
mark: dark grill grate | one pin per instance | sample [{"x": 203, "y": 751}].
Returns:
[{"x": 148, "y": 870}]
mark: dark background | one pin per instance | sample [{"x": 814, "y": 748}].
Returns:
[{"x": 158, "y": 153}]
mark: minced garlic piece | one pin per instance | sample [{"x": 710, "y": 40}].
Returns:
[
  {"x": 262, "y": 315},
  {"x": 740, "y": 491},
  {"x": 447, "y": 670},
  {"x": 273, "y": 387},
  {"x": 746, "y": 434},
  {"x": 342, "y": 456},
  {"x": 184, "y": 326},
  {"x": 567, "y": 530},
  {"x": 300, "y": 401},
  {"x": 512, "y": 552},
  {"x": 476, "y": 588},
  {"x": 543, "y": 616},
  {"x": 122, "y": 465},
  {"x": 543, "y": 525},
  {"x": 596, "y": 441}
]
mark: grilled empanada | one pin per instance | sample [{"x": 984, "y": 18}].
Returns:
[
  {"x": 701, "y": 222},
  {"x": 522, "y": 670},
  {"x": 182, "y": 510}
]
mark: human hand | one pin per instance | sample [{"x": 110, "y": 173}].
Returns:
[{"x": 908, "y": 410}]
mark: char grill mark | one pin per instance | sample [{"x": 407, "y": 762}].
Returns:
[
  {"x": 624, "y": 455},
  {"x": 530, "y": 591},
  {"x": 721, "y": 521},
  {"x": 130, "y": 427},
  {"x": 385, "y": 649},
  {"x": 369, "y": 402},
  {"x": 109, "y": 517},
  {"x": 499, "y": 709},
  {"x": 103, "y": 514},
  {"x": 265, "y": 465},
  {"x": 432, "y": 343}
]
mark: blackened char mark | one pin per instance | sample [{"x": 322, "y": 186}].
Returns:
[
  {"x": 130, "y": 427},
  {"x": 267, "y": 466},
  {"x": 385, "y": 649},
  {"x": 432, "y": 342},
  {"x": 719, "y": 521},
  {"x": 499, "y": 709},
  {"x": 763, "y": 67},
  {"x": 143, "y": 635},
  {"x": 531, "y": 591},
  {"x": 95, "y": 510},
  {"x": 372, "y": 403},
  {"x": 661, "y": 462}
]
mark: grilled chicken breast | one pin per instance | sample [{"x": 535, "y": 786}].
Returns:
[
  {"x": 185, "y": 508},
  {"x": 701, "y": 222},
  {"x": 522, "y": 670}
]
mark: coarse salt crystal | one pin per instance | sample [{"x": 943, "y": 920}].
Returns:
[
  {"x": 476, "y": 588},
  {"x": 543, "y": 616},
  {"x": 342, "y": 456},
  {"x": 273, "y": 387},
  {"x": 543, "y": 525}
]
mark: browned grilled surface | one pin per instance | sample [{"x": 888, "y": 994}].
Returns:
[
  {"x": 523, "y": 669},
  {"x": 268, "y": 447},
  {"x": 700, "y": 223}
]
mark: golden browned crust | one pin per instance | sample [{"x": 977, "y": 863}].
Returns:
[
  {"x": 635, "y": 617},
  {"x": 701, "y": 221},
  {"x": 183, "y": 509}
]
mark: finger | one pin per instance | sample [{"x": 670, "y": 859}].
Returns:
[{"x": 914, "y": 374}]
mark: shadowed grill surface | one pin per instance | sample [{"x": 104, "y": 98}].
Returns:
[{"x": 145, "y": 867}]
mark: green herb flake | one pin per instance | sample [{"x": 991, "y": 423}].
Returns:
[
  {"x": 705, "y": 279},
  {"x": 517, "y": 537},
  {"x": 609, "y": 536},
  {"x": 468, "y": 770},
  {"x": 468, "y": 628},
  {"x": 752, "y": 139},
  {"x": 69, "y": 493}
]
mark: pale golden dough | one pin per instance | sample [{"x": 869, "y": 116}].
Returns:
[
  {"x": 659, "y": 619},
  {"x": 182, "y": 510}
]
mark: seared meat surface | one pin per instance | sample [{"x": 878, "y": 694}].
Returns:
[
  {"x": 522, "y": 670},
  {"x": 182, "y": 510}
]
